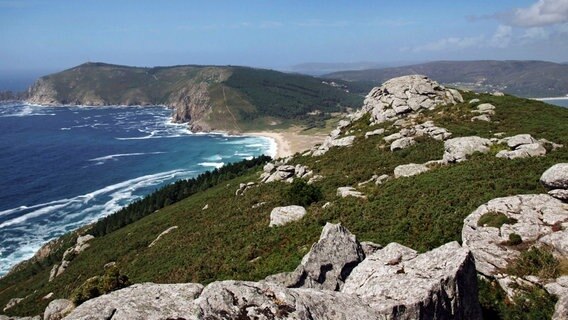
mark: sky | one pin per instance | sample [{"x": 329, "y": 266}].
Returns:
[{"x": 46, "y": 36}]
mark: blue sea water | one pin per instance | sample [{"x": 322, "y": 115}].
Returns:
[
  {"x": 558, "y": 102},
  {"x": 64, "y": 167}
]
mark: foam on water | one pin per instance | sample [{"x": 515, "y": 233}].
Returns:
[{"x": 54, "y": 170}]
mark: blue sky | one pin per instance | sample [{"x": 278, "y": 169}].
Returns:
[{"x": 56, "y": 34}]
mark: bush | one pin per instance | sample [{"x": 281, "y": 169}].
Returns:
[
  {"x": 99, "y": 285},
  {"x": 303, "y": 194},
  {"x": 514, "y": 239}
]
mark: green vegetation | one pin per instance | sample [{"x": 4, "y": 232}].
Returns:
[
  {"x": 530, "y": 303},
  {"x": 98, "y": 285},
  {"x": 514, "y": 239},
  {"x": 231, "y": 239},
  {"x": 495, "y": 220},
  {"x": 173, "y": 193},
  {"x": 537, "y": 262},
  {"x": 302, "y": 194},
  {"x": 225, "y": 97},
  {"x": 535, "y": 78}
]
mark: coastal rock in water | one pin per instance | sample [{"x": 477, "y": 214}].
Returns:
[
  {"x": 529, "y": 216},
  {"x": 141, "y": 301},
  {"x": 457, "y": 149},
  {"x": 408, "y": 170},
  {"x": 57, "y": 309},
  {"x": 556, "y": 177},
  {"x": 438, "y": 284},
  {"x": 400, "y": 96},
  {"x": 283, "y": 215}
]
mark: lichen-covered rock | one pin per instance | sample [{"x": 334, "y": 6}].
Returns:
[
  {"x": 402, "y": 143},
  {"x": 408, "y": 170},
  {"x": 282, "y": 215},
  {"x": 142, "y": 301},
  {"x": 57, "y": 309},
  {"x": 457, "y": 149},
  {"x": 439, "y": 284},
  {"x": 328, "y": 263},
  {"x": 349, "y": 192},
  {"x": 374, "y": 133},
  {"x": 534, "y": 215},
  {"x": 556, "y": 177},
  {"x": 559, "y": 288}
]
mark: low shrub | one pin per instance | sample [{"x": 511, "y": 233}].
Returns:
[
  {"x": 303, "y": 194},
  {"x": 494, "y": 219},
  {"x": 98, "y": 285}
]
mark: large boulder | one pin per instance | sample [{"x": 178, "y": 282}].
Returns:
[
  {"x": 522, "y": 146},
  {"x": 57, "y": 309},
  {"x": 556, "y": 177},
  {"x": 349, "y": 192},
  {"x": 398, "y": 282},
  {"x": 141, "y": 301},
  {"x": 409, "y": 170},
  {"x": 253, "y": 300},
  {"x": 328, "y": 263},
  {"x": 559, "y": 288},
  {"x": 531, "y": 216},
  {"x": 283, "y": 215},
  {"x": 457, "y": 149},
  {"x": 400, "y": 96}
]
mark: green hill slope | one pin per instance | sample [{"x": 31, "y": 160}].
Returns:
[
  {"x": 224, "y": 236},
  {"x": 521, "y": 78},
  {"x": 209, "y": 97}
]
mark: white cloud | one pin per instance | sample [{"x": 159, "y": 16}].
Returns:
[
  {"x": 541, "y": 13},
  {"x": 535, "y": 34},
  {"x": 502, "y": 37}
]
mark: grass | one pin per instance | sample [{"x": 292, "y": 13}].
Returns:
[
  {"x": 538, "y": 261},
  {"x": 495, "y": 220},
  {"x": 231, "y": 239}
]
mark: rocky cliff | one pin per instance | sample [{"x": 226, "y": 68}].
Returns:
[{"x": 203, "y": 96}]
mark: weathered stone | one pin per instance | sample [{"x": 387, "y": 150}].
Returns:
[
  {"x": 283, "y": 215},
  {"x": 402, "y": 143},
  {"x": 11, "y": 303},
  {"x": 408, "y": 170},
  {"x": 382, "y": 179},
  {"x": 57, "y": 309},
  {"x": 559, "y": 288},
  {"x": 370, "y": 247},
  {"x": 520, "y": 139},
  {"x": 168, "y": 230},
  {"x": 269, "y": 167},
  {"x": 534, "y": 217},
  {"x": 439, "y": 284},
  {"x": 482, "y": 117},
  {"x": 142, "y": 301},
  {"x": 556, "y": 177},
  {"x": 560, "y": 194},
  {"x": 349, "y": 192},
  {"x": 343, "y": 142},
  {"x": 523, "y": 151},
  {"x": 374, "y": 133},
  {"x": 472, "y": 101},
  {"x": 457, "y": 149}
]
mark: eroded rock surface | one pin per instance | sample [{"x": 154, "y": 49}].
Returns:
[
  {"x": 283, "y": 215},
  {"x": 556, "y": 177},
  {"x": 458, "y": 149},
  {"x": 408, "y": 170}
]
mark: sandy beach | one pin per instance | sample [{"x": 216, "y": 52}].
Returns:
[{"x": 289, "y": 142}]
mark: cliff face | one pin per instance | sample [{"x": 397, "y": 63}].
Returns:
[
  {"x": 42, "y": 92},
  {"x": 192, "y": 103}
]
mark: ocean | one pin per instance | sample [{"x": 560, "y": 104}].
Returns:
[
  {"x": 558, "y": 102},
  {"x": 64, "y": 167}
]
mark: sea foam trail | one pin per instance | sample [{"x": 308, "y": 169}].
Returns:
[
  {"x": 118, "y": 155},
  {"x": 37, "y": 224}
]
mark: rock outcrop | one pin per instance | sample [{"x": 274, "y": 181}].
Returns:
[
  {"x": 556, "y": 177},
  {"x": 522, "y": 146},
  {"x": 168, "y": 230},
  {"x": 333, "y": 281},
  {"x": 349, "y": 192},
  {"x": 400, "y": 96},
  {"x": 284, "y": 172},
  {"x": 409, "y": 170},
  {"x": 458, "y": 149},
  {"x": 439, "y": 284},
  {"x": 57, "y": 309},
  {"x": 283, "y": 215},
  {"x": 80, "y": 246}
]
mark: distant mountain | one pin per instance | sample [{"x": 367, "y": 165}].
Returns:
[
  {"x": 522, "y": 78},
  {"x": 224, "y": 98},
  {"x": 321, "y": 68}
]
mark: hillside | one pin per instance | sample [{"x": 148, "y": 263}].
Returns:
[
  {"x": 217, "y": 227},
  {"x": 520, "y": 78},
  {"x": 224, "y": 98}
]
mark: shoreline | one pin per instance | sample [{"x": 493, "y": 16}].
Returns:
[
  {"x": 288, "y": 143},
  {"x": 550, "y": 98}
]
